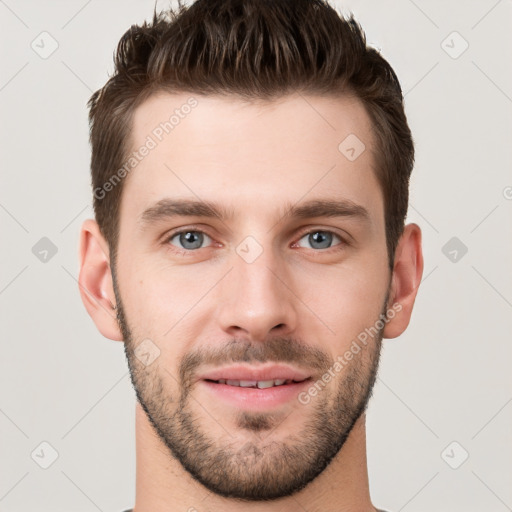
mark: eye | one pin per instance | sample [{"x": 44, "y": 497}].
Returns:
[
  {"x": 319, "y": 239},
  {"x": 188, "y": 240}
]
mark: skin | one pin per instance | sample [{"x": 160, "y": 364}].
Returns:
[{"x": 296, "y": 303}]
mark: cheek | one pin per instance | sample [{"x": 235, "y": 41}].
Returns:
[
  {"x": 347, "y": 299},
  {"x": 159, "y": 304},
  {"x": 157, "y": 296}
]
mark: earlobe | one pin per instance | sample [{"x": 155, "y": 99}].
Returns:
[
  {"x": 407, "y": 272},
  {"x": 95, "y": 280}
]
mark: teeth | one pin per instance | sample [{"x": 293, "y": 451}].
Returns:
[
  {"x": 247, "y": 383},
  {"x": 260, "y": 384}
]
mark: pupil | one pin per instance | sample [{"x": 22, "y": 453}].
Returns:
[
  {"x": 191, "y": 240},
  {"x": 321, "y": 238}
]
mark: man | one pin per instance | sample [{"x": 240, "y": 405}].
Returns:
[{"x": 250, "y": 167}]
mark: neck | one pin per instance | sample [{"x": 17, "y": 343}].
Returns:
[{"x": 162, "y": 485}]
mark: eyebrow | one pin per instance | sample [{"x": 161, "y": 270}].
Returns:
[{"x": 168, "y": 208}]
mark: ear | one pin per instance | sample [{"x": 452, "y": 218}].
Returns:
[
  {"x": 95, "y": 280},
  {"x": 407, "y": 272}
]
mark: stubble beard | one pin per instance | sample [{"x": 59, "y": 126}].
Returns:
[{"x": 257, "y": 468}]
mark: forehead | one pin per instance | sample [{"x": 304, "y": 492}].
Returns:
[{"x": 251, "y": 155}]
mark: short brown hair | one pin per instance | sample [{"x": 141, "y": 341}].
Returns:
[{"x": 252, "y": 49}]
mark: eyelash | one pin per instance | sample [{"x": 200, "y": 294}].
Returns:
[{"x": 188, "y": 252}]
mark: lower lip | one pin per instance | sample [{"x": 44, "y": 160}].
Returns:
[{"x": 255, "y": 398}]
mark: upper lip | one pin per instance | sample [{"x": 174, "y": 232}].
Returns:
[{"x": 252, "y": 373}]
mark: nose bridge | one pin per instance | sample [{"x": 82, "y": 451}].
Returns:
[{"x": 255, "y": 298}]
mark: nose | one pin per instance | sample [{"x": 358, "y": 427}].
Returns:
[{"x": 257, "y": 300}]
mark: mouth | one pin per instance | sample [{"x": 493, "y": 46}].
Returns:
[
  {"x": 261, "y": 376},
  {"x": 259, "y": 384},
  {"x": 260, "y": 388}
]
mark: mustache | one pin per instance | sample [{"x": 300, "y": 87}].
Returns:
[{"x": 275, "y": 350}]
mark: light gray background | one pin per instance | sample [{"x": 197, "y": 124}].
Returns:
[{"x": 447, "y": 378}]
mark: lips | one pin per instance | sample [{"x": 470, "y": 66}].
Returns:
[
  {"x": 260, "y": 384},
  {"x": 256, "y": 377},
  {"x": 261, "y": 388}
]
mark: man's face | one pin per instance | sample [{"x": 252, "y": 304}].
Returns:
[{"x": 270, "y": 290}]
